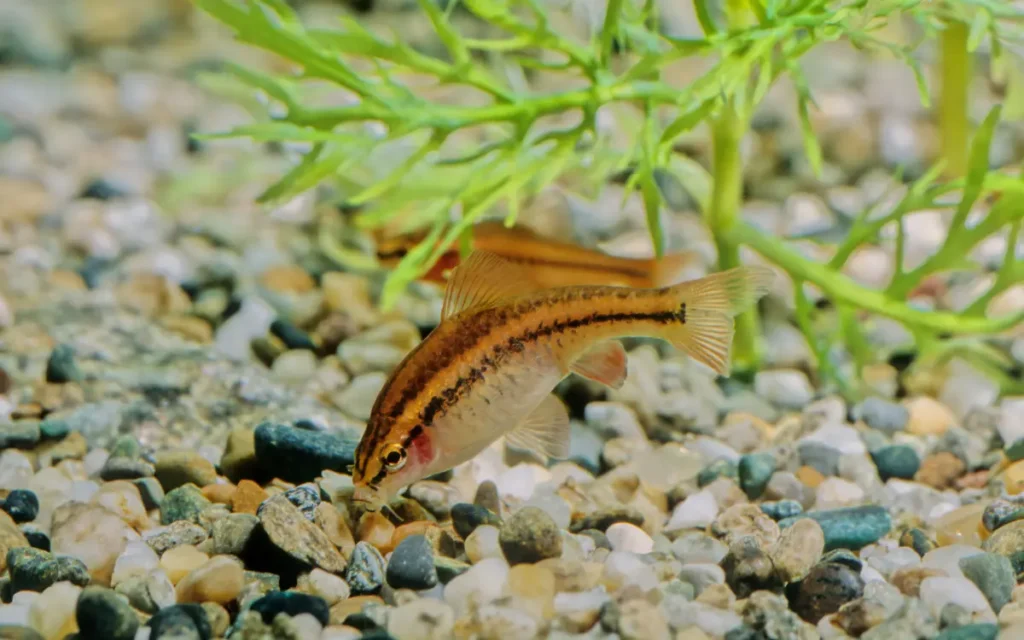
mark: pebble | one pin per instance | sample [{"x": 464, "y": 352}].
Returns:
[
  {"x": 137, "y": 559},
  {"x": 74, "y": 532},
  {"x": 52, "y": 613},
  {"x": 23, "y": 434},
  {"x": 101, "y": 613},
  {"x": 328, "y": 586},
  {"x": 743, "y": 520},
  {"x": 247, "y": 498},
  {"x": 306, "y": 498},
  {"x": 239, "y": 460},
  {"x": 530, "y": 535},
  {"x": 148, "y": 592},
  {"x": 180, "y": 622},
  {"x": 179, "y": 561},
  {"x": 928, "y": 416},
  {"x": 300, "y": 455},
  {"x": 483, "y": 543},
  {"x": 35, "y": 570},
  {"x": 896, "y": 461},
  {"x": 939, "y": 470},
  {"x": 22, "y": 505},
  {"x": 467, "y": 517},
  {"x": 849, "y": 528},
  {"x": 298, "y": 538},
  {"x": 938, "y": 592},
  {"x": 61, "y": 367},
  {"x": 798, "y": 549},
  {"x": 974, "y": 631},
  {"x": 824, "y": 590},
  {"x": 993, "y": 574},
  {"x": 365, "y": 573},
  {"x": 624, "y": 536},
  {"x": 479, "y": 585},
  {"x": 121, "y": 468},
  {"x": 291, "y": 603},
  {"x": 786, "y": 388},
  {"x": 176, "y": 468},
  {"x": 231, "y": 534},
  {"x": 411, "y": 565},
  {"x": 186, "y": 502},
  {"x": 755, "y": 470},
  {"x": 423, "y": 619},
  {"x": 882, "y": 414},
  {"x": 173, "y": 535},
  {"x": 697, "y": 511},
  {"x": 220, "y": 580}
]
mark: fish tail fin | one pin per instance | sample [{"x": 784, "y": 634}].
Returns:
[
  {"x": 706, "y": 308},
  {"x": 674, "y": 268}
]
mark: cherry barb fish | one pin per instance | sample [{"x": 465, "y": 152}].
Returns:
[
  {"x": 548, "y": 262},
  {"x": 502, "y": 346}
]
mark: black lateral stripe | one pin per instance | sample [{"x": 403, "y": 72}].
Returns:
[{"x": 440, "y": 404}]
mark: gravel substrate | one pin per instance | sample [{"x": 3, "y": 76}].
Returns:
[{"x": 184, "y": 378}]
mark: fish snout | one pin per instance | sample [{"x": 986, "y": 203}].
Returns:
[{"x": 368, "y": 497}]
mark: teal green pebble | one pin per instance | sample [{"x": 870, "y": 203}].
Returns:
[
  {"x": 849, "y": 528},
  {"x": 1015, "y": 451},
  {"x": 718, "y": 469},
  {"x": 896, "y": 461},
  {"x": 184, "y": 503},
  {"x": 755, "y": 470},
  {"x": 976, "y": 631},
  {"x": 993, "y": 574}
]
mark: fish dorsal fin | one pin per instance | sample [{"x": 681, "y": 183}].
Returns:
[
  {"x": 545, "y": 431},
  {"x": 605, "y": 362},
  {"x": 482, "y": 281}
]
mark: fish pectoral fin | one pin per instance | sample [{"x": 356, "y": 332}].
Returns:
[
  {"x": 605, "y": 362},
  {"x": 482, "y": 281},
  {"x": 545, "y": 431}
]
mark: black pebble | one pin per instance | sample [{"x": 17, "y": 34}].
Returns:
[
  {"x": 61, "y": 365},
  {"x": 305, "y": 497},
  {"x": 103, "y": 615},
  {"x": 365, "y": 572},
  {"x": 298, "y": 455},
  {"x": 100, "y": 189},
  {"x": 411, "y": 565},
  {"x": 467, "y": 517},
  {"x": 825, "y": 589},
  {"x": 291, "y": 603},
  {"x": 361, "y": 621},
  {"x": 292, "y": 336},
  {"x": 22, "y": 505},
  {"x": 180, "y": 621},
  {"x": 36, "y": 538}
]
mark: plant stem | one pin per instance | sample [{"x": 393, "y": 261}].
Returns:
[
  {"x": 844, "y": 290},
  {"x": 727, "y": 132},
  {"x": 954, "y": 125}
]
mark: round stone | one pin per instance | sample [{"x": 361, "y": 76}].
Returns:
[
  {"x": 291, "y": 603},
  {"x": 411, "y": 565},
  {"x": 102, "y": 613},
  {"x": 22, "y": 505},
  {"x": 824, "y": 590},
  {"x": 529, "y": 536}
]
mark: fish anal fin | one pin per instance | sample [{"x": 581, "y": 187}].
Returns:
[
  {"x": 605, "y": 362},
  {"x": 482, "y": 281},
  {"x": 545, "y": 431}
]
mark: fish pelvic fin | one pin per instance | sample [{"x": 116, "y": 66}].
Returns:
[
  {"x": 675, "y": 268},
  {"x": 545, "y": 431},
  {"x": 482, "y": 281},
  {"x": 605, "y": 362},
  {"x": 706, "y": 308}
]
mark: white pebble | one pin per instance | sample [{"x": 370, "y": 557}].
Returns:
[
  {"x": 421, "y": 620},
  {"x": 52, "y": 614},
  {"x": 480, "y": 585},
  {"x": 624, "y": 536},
  {"x": 521, "y": 480},
  {"x": 553, "y": 505},
  {"x": 695, "y": 512},
  {"x": 937, "y": 592},
  {"x": 15, "y": 615},
  {"x": 846, "y": 440},
  {"x": 834, "y": 493},
  {"x": 483, "y": 543},
  {"x": 948, "y": 558},
  {"x": 622, "y": 569},
  {"x": 137, "y": 559},
  {"x": 328, "y": 586},
  {"x": 15, "y": 470}
]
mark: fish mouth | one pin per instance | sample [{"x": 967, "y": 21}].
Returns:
[{"x": 368, "y": 497}]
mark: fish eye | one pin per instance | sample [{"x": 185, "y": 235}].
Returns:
[{"x": 394, "y": 457}]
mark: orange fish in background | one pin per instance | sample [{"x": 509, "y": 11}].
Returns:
[
  {"x": 502, "y": 346},
  {"x": 548, "y": 262}
]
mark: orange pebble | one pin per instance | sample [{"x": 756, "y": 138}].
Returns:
[
  {"x": 810, "y": 476},
  {"x": 220, "y": 493},
  {"x": 377, "y": 530},
  {"x": 420, "y": 527},
  {"x": 248, "y": 496}
]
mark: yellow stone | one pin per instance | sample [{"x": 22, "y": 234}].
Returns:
[
  {"x": 534, "y": 587},
  {"x": 182, "y": 560},
  {"x": 928, "y": 416},
  {"x": 1013, "y": 477},
  {"x": 961, "y": 526},
  {"x": 810, "y": 476}
]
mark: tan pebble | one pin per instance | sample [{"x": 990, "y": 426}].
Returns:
[
  {"x": 1013, "y": 477},
  {"x": 798, "y": 549},
  {"x": 939, "y": 470},
  {"x": 179, "y": 561},
  {"x": 483, "y": 543},
  {"x": 810, "y": 476},
  {"x": 333, "y": 524},
  {"x": 355, "y": 604},
  {"x": 52, "y": 613},
  {"x": 123, "y": 498},
  {"x": 75, "y": 529},
  {"x": 239, "y": 459},
  {"x": 331, "y": 588},
  {"x": 24, "y": 199},
  {"x": 1011, "y": 614},
  {"x": 287, "y": 279},
  {"x": 152, "y": 295},
  {"x": 693, "y": 632},
  {"x": 248, "y": 497},
  {"x": 534, "y": 587},
  {"x": 573, "y": 576},
  {"x": 340, "y": 632},
  {"x": 220, "y": 493},
  {"x": 189, "y": 327},
  {"x": 719, "y": 596},
  {"x": 928, "y": 416},
  {"x": 10, "y": 537},
  {"x": 376, "y": 529},
  {"x": 961, "y": 525},
  {"x": 908, "y": 579},
  {"x": 746, "y": 520},
  {"x": 220, "y": 580},
  {"x": 64, "y": 280}
]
